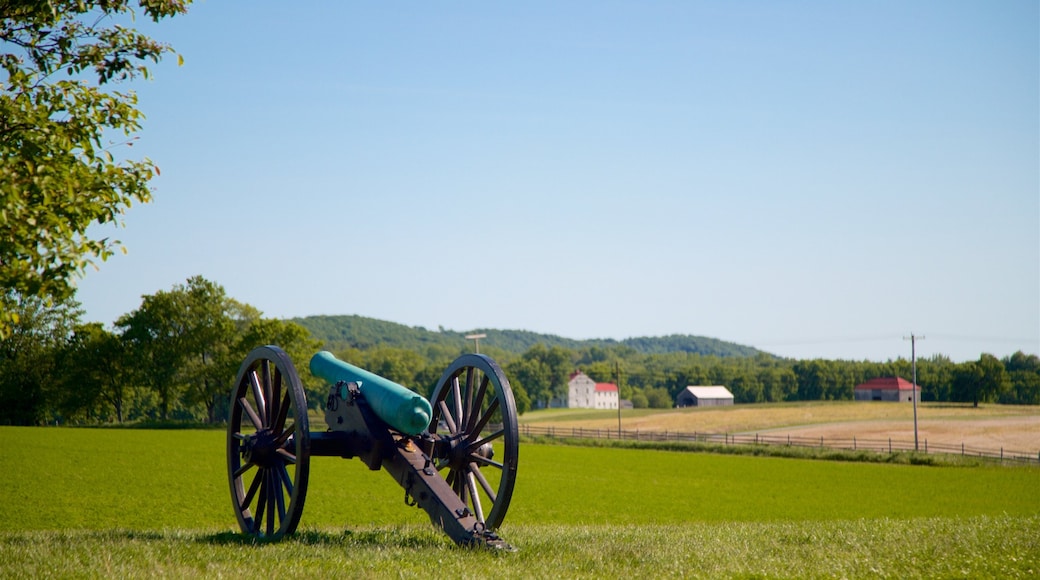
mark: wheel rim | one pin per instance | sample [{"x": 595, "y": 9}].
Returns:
[
  {"x": 268, "y": 445},
  {"x": 473, "y": 409}
]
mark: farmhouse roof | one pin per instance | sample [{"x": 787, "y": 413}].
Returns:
[
  {"x": 606, "y": 387},
  {"x": 712, "y": 392},
  {"x": 887, "y": 384}
]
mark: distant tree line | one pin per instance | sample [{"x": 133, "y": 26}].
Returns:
[{"x": 174, "y": 358}]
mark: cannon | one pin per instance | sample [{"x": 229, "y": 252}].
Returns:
[{"x": 455, "y": 456}]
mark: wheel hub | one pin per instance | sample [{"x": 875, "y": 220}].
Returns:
[
  {"x": 460, "y": 451},
  {"x": 260, "y": 448}
]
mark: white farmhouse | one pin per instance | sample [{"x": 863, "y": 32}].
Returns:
[{"x": 585, "y": 393}]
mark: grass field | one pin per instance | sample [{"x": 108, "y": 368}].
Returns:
[{"x": 97, "y": 502}]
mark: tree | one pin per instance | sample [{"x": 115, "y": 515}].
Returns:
[
  {"x": 967, "y": 378},
  {"x": 1024, "y": 375},
  {"x": 95, "y": 374},
  {"x": 556, "y": 364},
  {"x": 155, "y": 339},
  {"x": 180, "y": 339},
  {"x": 58, "y": 175},
  {"x": 639, "y": 400},
  {"x": 533, "y": 377},
  {"x": 994, "y": 379},
  {"x": 658, "y": 398},
  {"x": 29, "y": 375}
]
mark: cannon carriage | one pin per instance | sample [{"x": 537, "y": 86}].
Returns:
[{"x": 455, "y": 456}]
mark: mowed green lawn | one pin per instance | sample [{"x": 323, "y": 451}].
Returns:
[{"x": 98, "y": 502}]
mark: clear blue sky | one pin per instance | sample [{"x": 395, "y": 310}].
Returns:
[{"x": 816, "y": 179}]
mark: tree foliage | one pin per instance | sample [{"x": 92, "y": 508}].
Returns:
[
  {"x": 29, "y": 357},
  {"x": 58, "y": 173}
]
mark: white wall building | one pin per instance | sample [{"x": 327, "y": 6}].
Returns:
[{"x": 585, "y": 393}]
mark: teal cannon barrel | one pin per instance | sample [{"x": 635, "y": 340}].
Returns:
[{"x": 402, "y": 409}]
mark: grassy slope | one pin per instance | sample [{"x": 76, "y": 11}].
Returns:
[{"x": 134, "y": 503}]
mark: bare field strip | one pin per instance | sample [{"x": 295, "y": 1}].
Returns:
[{"x": 994, "y": 427}]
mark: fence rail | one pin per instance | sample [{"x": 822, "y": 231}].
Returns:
[{"x": 851, "y": 444}]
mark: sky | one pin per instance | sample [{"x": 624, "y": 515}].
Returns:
[{"x": 815, "y": 179}]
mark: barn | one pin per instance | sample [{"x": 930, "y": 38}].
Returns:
[
  {"x": 886, "y": 389},
  {"x": 714, "y": 396}
]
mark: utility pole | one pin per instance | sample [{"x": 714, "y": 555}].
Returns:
[
  {"x": 476, "y": 340},
  {"x": 617, "y": 378},
  {"x": 913, "y": 362}
]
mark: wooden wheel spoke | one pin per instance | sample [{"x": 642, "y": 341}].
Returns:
[
  {"x": 460, "y": 483},
  {"x": 261, "y": 402},
  {"x": 248, "y": 498},
  {"x": 261, "y": 503},
  {"x": 283, "y": 412},
  {"x": 478, "y": 400},
  {"x": 467, "y": 407},
  {"x": 277, "y": 485},
  {"x": 456, "y": 395},
  {"x": 286, "y": 480},
  {"x": 485, "y": 461},
  {"x": 276, "y": 403},
  {"x": 253, "y": 417},
  {"x": 471, "y": 487},
  {"x": 265, "y": 382},
  {"x": 476, "y": 429},
  {"x": 476, "y": 444},
  {"x": 285, "y": 435},
  {"x": 475, "y": 471},
  {"x": 241, "y": 470},
  {"x": 271, "y": 494},
  {"x": 448, "y": 419},
  {"x": 288, "y": 457}
]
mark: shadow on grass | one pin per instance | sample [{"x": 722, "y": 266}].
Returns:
[{"x": 409, "y": 539}]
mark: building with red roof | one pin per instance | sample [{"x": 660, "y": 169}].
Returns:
[
  {"x": 887, "y": 389},
  {"x": 585, "y": 393}
]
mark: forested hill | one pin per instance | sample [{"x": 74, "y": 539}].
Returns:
[{"x": 340, "y": 332}]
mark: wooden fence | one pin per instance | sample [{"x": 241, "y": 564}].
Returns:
[{"x": 853, "y": 444}]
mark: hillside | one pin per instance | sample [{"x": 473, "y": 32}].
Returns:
[{"x": 352, "y": 331}]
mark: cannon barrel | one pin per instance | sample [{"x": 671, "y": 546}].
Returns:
[{"x": 397, "y": 406}]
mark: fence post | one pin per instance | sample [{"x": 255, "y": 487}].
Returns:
[
  {"x": 962, "y": 448},
  {"x": 821, "y": 441},
  {"x": 926, "y": 446},
  {"x": 890, "y": 445}
]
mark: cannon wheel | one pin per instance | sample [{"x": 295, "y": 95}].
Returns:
[
  {"x": 473, "y": 409},
  {"x": 268, "y": 445}
]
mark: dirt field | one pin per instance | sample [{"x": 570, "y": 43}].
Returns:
[
  {"x": 1011, "y": 427},
  {"x": 1009, "y": 433}
]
